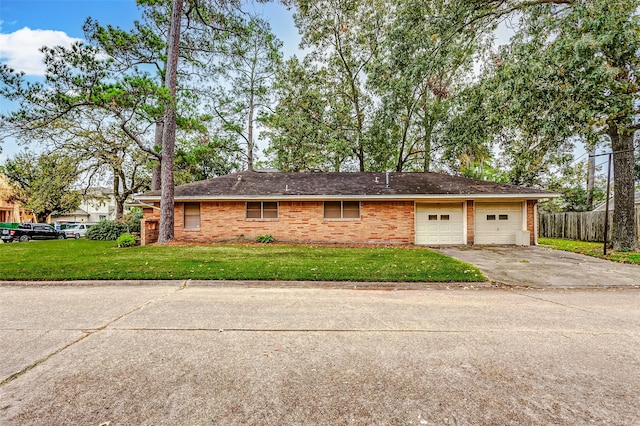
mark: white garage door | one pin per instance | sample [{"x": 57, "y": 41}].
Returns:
[
  {"x": 497, "y": 223},
  {"x": 439, "y": 224}
]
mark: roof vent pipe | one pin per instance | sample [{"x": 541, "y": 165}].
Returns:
[{"x": 387, "y": 180}]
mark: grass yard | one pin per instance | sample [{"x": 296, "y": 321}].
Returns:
[
  {"x": 590, "y": 249},
  {"x": 92, "y": 260}
]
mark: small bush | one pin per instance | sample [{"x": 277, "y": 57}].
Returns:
[
  {"x": 107, "y": 230},
  {"x": 126, "y": 240},
  {"x": 265, "y": 239}
]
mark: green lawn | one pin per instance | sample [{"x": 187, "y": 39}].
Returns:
[
  {"x": 92, "y": 260},
  {"x": 590, "y": 249}
]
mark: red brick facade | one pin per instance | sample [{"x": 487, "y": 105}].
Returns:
[
  {"x": 391, "y": 222},
  {"x": 380, "y": 222}
]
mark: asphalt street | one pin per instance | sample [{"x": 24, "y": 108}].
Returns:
[{"x": 188, "y": 354}]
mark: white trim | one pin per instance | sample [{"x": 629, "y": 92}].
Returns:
[
  {"x": 524, "y": 215},
  {"x": 535, "y": 224},
  {"x": 415, "y": 223},
  {"x": 403, "y": 197}
]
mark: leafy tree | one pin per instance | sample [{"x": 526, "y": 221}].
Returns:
[
  {"x": 81, "y": 109},
  {"x": 345, "y": 37},
  {"x": 201, "y": 159},
  {"x": 417, "y": 74},
  {"x": 105, "y": 155},
  {"x": 248, "y": 64},
  {"x": 44, "y": 183},
  {"x": 575, "y": 196},
  {"x": 571, "y": 71},
  {"x": 82, "y": 82},
  {"x": 303, "y": 130}
]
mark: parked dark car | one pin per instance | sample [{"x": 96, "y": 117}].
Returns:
[{"x": 31, "y": 231}]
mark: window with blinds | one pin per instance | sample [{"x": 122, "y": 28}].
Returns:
[
  {"x": 262, "y": 210},
  {"x": 342, "y": 209},
  {"x": 191, "y": 215}
]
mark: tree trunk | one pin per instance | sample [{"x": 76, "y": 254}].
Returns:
[
  {"x": 427, "y": 125},
  {"x": 156, "y": 181},
  {"x": 119, "y": 208},
  {"x": 250, "y": 134},
  {"x": 166, "y": 231},
  {"x": 156, "y": 173},
  {"x": 117, "y": 197},
  {"x": 624, "y": 231}
]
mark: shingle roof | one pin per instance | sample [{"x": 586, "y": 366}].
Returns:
[{"x": 373, "y": 185}]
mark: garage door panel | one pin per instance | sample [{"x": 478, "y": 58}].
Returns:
[
  {"x": 497, "y": 223},
  {"x": 439, "y": 224}
]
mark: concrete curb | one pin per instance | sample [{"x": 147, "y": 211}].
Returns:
[{"x": 347, "y": 285}]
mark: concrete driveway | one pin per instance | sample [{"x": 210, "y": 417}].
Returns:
[
  {"x": 543, "y": 268},
  {"x": 183, "y": 354}
]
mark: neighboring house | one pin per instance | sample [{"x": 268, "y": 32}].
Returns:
[
  {"x": 11, "y": 211},
  {"x": 393, "y": 208},
  {"x": 98, "y": 204},
  {"x": 602, "y": 206}
]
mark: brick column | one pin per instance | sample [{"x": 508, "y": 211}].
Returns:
[
  {"x": 148, "y": 231},
  {"x": 471, "y": 225},
  {"x": 532, "y": 226}
]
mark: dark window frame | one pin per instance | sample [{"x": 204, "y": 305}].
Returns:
[
  {"x": 342, "y": 210},
  {"x": 262, "y": 210}
]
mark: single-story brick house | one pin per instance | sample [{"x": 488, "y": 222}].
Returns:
[{"x": 384, "y": 208}]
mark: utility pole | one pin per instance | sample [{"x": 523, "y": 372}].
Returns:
[{"x": 606, "y": 208}]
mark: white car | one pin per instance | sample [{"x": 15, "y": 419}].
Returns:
[{"x": 76, "y": 231}]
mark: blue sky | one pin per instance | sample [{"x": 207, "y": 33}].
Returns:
[{"x": 27, "y": 25}]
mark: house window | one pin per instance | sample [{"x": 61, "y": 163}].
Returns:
[
  {"x": 433, "y": 217},
  {"x": 503, "y": 217},
  {"x": 262, "y": 210},
  {"x": 191, "y": 215},
  {"x": 491, "y": 217},
  {"x": 444, "y": 217},
  {"x": 342, "y": 209}
]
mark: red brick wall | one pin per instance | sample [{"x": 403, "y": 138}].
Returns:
[
  {"x": 149, "y": 226},
  {"x": 380, "y": 222},
  {"x": 471, "y": 227},
  {"x": 531, "y": 222}
]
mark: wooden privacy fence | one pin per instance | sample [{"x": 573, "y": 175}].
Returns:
[{"x": 584, "y": 226}]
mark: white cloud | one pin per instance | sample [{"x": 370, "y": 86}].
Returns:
[{"x": 20, "y": 50}]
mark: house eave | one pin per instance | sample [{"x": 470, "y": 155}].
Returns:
[{"x": 365, "y": 197}]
